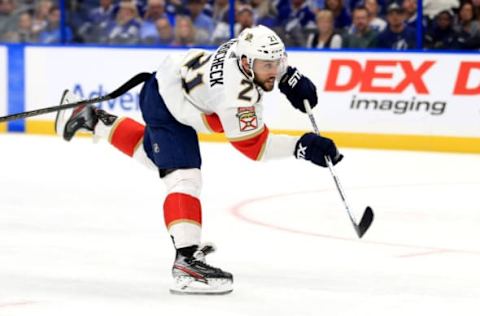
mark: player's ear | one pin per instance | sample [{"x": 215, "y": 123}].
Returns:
[{"x": 245, "y": 64}]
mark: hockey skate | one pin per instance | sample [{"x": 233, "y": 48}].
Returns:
[
  {"x": 81, "y": 118},
  {"x": 192, "y": 275}
]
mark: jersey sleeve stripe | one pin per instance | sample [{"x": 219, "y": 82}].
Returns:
[
  {"x": 212, "y": 122},
  {"x": 253, "y": 147},
  {"x": 205, "y": 122},
  {"x": 262, "y": 151}
]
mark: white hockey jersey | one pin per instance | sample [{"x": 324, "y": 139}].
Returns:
[{"x": 210, "y": 92}]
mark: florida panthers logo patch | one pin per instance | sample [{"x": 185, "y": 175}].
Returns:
[{"x": 247, "y": 118}]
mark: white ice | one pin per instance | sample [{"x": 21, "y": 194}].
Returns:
[{"x": 82, "y": 233}]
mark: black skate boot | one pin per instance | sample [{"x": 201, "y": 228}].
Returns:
[
  {"x": 82, "y": 118},
  {"x": 192, "y": 275}
]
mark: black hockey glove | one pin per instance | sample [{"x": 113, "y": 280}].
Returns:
[
  {"x": 314, "y": 148},
  {"x": 297, "y": 88}
]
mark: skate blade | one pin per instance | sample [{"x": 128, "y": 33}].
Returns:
[
  {"x": 175, "y": 292},
  {"x": 60, "y": 117},
  {"x": 189, "y": 286},
  {"x": 63, "y": 115}
]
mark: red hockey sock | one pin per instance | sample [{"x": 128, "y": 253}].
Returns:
[{"x": 180, "y": 207}]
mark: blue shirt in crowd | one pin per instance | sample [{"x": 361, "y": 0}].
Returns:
[{"x": 397, "y": 41}]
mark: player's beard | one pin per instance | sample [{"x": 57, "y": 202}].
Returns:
[{"x": 263, "y": 84}]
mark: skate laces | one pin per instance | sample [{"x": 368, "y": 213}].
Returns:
[{"x": 202, "y": 252}]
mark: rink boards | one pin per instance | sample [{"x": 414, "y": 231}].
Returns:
[
  {"x": 3, "y": 85},
  {"x": 366, "y": 99}
]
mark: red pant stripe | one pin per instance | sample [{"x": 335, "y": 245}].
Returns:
[
  {"x": 182, "y": 207},
  {"x": 127, "y": 135}
]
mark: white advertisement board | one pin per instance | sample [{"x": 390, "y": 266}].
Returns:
[
  {"x": 389, "y": 93},
  {"x": 380, "y": 93},
  {"x": 3, "y": 81},
  {"x": 89, "y": 72}
]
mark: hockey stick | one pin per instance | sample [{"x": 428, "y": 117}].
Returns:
[
  {"x": 133, "y": 82},
  {"x": 367, "y": 217}
]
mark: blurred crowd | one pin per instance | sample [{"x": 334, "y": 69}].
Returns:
[
  {"x": 451, "y": 24},
  {"x": 29, "y": 21},
  {"x": 329, "y": 24}
]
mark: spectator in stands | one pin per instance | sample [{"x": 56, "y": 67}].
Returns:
[
  {"x": 23, "y": 33},
  {"x": 352, "y": 4},
  {"x": 397, "y": 35},
  {"x": 468, "y": 28},
  {"x": 244, "y": 19},
  {"x": 325, "y": 35},
  {"x": 7, "y": 8},
  {"x": 410, "y": 7},
  {"x": 77, "y": 17},
  {"x": 106, "y": 10},
  {"x": 376, "y": 23},
  {"x": 476, "y": 8},
  {"x": 283, "y": 8},
  {"x": 40, "y": 17},
  {"x": 126, "y": 28},
  {"x": 52, "y": 33},
  {"x": 264, "y": 13},
  {"x": 96, "y": 28},
  {"x": 432, "y": 7},
  {"x": 467, "y": 21},
  {"x": 221, "y": 11},
  {"x": 200, "y": 20},
  {"x": 185, "y": 33},
  {"x": 10, "y": 11},
  {"x": 208, "y": 8},
  {"x": 317, "y": 5},
  {"x": 221, "y": 33},
  {"x": 360, "y": 35},
  {"x": 165, "y": 34},
  {"x": 301, "y": 14},
  {"x": 340, "y": 13},
  {"x": 174, "y": 7},
  {"x": 442, "y": 35},
  {"x": 300, "y": 21},
  {"x": 155, "y": 10}
]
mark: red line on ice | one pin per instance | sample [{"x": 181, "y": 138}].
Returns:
[
  {"x": 14, "y": 304},
  {"x": 237, "y": 209}
]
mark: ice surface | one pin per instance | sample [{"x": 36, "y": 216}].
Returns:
[{"x": 82, "y": 232}]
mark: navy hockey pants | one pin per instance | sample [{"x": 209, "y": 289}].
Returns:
[{"x": 167, "y": 142}]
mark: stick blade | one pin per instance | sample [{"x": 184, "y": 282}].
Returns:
[{"x": 365, "y": 222}]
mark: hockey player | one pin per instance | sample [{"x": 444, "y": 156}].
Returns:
[{"x": 203, "y": 91}]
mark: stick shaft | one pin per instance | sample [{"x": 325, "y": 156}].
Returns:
[{"x": 336, "y": 179}]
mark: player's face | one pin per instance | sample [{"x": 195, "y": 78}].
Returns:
[{"x": 266, "y": 71}]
